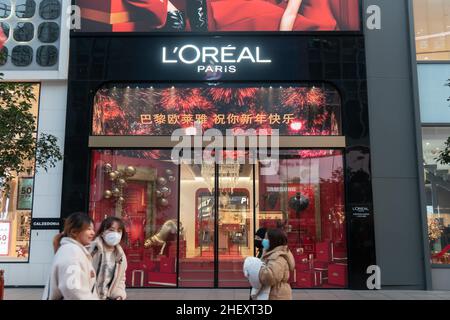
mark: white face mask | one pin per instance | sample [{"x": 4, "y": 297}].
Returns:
[{"x": 112, "y": 238}]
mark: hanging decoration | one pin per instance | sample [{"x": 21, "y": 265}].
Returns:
[
  {"x": 298, "y": 203},
  {"x": 207, "y": 172},
  {"x": 229, "y": 175},
  {"x": 434, "y": 229},
  {"x": 163, "y": 190},
  {"x": 118, "y": 178}
]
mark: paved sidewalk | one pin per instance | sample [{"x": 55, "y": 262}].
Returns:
[{"x": 242, "y": 294}]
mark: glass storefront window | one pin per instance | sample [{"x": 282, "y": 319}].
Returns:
[
  {"x": 306, "y": 198},
  {"x": 220, "y": 207},
  {"x": 16, "y": 210},
  {"x": 141, "y": 187},
  {"x": 434, "y": 92},
  {"x": 437, "y": 187},
  {"x": 144, "y": 109},
  {"x": 432, "y": 27}
]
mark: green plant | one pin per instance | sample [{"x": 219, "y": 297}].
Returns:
[
  {"x": 20, "y": 149},
  {"x": 444, "y": 155}
]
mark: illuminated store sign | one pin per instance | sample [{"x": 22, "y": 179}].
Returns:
[{"x": 213, "y": 59}]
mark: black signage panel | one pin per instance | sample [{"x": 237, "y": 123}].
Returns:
[{"x": 46, "y": 223}]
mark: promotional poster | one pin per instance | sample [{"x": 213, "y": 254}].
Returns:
[{"x": 218, "y": 15}]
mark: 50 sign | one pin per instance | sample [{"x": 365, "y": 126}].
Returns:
[
  {"x": 25, "y": 198},
  {"x": 5, "y": 230}
]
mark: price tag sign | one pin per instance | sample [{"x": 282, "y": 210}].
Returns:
[
  {"x": 25, "y": 193},
  {"x": 5, "y": 237}
]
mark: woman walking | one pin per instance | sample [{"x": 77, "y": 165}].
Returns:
[
  {"x": 72, "y": 275},
  {"x": 278, "y": 263},
  {"x": 109, "y": 259}
]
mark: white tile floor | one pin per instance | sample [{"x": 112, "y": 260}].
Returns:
[{"x": 242, "y": 294}]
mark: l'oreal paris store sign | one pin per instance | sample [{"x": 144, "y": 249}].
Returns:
[{"x": 213, "y": 59}]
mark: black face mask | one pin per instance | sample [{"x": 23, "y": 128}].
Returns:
[{"x": 258, "y": 244}]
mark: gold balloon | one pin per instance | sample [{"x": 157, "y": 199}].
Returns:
[
  {"x": 171, "y": 178},
  {"x": 118, "y": 173},
  {"x": 107, "y": 167},
  {"x": 169, "y": 172},
  {"x": 121, "y": 181},
  {"x": 163, "y": 202},
  {"x": 112, "y": 176},
  {"x": 116, "y": 192},
  {"x": 107, "y": 194},
  {"x": 130, "y": 171},
  {"x": 165, "y": 191},
  {"x": 161, "y": 181},
  {"x": 121, "y": 199},
  {"x": 158, "y": 194}
]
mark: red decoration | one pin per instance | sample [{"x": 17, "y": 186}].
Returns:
[{"x": 241, "y": 96}]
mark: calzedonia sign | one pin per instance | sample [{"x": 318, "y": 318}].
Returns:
[
  {"x": 214, "y": 59},
  {"x": 45, "y": 223}
]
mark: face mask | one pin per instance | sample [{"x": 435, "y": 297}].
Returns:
[
  {"x": 266, "y": 244},
  {"x": 112, "y": 238}
]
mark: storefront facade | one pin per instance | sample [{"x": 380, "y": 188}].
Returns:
[
  {"x": 192, "y": 225},
  {"x": 342, "y": 102}
]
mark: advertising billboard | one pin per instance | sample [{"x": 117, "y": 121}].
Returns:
[{"x": 218, "y": 15}]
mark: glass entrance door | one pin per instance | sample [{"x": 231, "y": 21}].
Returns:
[
  {"x": 235, "y": 222},
  {"x": 197, "y": 250},
  {"x": 218, "y": 226}
]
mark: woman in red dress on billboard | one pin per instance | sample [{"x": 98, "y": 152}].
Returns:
[
  {"x": 272, "y": 15},
  {"x": 165, "y": 15}
]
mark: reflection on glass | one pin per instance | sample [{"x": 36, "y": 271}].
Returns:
[
  {"x": 50, "y": 9},
  {"x": 5, "y": 9},
  {"x": 22, "y": 56},
  {"x": 48, "y": 32},
  {"x": 6, "y": 29},
  {"x": 24, "y": 32},
  {"x": 235, "y": 222},
  {"x": 47, "y": 56},
  {"x": 25, "y": 8},
  {"x": 197, "y": 214},
  {"x": 437, "y": 188},
  {"x": 16, "y": 206},
  {"x": 140, "y": 186},
  {"x": 432, "y": 27},
  {"x": 3, "y": 56},
  {"x": 306, "y": 199}
]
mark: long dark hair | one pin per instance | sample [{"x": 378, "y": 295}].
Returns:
[
  {"x": 108, "y": 222},
  {"x": 277, "y": 237}
]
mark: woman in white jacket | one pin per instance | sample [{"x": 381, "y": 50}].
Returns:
[
  {"x": 109, "y": 259},
  {"x": 72, "y": 275}
]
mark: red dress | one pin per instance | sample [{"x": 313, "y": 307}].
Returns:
[
  {"x": 153, "y": 12},
  {"x": 265, "y": 15}
]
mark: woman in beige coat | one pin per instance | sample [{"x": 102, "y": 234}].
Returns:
[
  {"x": 109, "y": 260},
  {"x": 72, "y": 276},
  {"x": 278, "y": 261}
]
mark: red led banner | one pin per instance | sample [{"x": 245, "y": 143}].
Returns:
[{"x": 145, "y": 110}]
